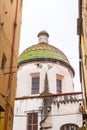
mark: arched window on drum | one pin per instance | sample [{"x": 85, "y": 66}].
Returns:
[{"x": 69, "y": 127}]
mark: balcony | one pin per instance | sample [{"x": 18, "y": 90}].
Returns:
[
  {"x": 72, "y": 97},
  {"x": 62, "y": 97}
]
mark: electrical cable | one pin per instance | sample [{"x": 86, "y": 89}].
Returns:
[
  {"x": 16, "y": 67},
  {"x": 6, "y": 38},
  {"x": 49, "y": 115},
  {"x": 9, "y": 67},
  {"x": 9, "y": 43},
  {"x": 4, "y": 97}
]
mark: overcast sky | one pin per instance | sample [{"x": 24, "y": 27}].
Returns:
[{"x": 59, "y": 19}]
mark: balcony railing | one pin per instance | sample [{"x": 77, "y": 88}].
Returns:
[
  {"x": 76, "y": 96},
  {"x": 73, "y": 96}
]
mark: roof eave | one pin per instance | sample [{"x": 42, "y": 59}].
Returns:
[{"x": 48, "y": 59}]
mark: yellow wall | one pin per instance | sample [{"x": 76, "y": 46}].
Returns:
[
  {"x": 2, "y": 119},
  {"x": 84, "y": 43},
  {"x": 10, "y": 24}
]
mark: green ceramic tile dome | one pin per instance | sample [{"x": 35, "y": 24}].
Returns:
[{"x": 42, "y": 50}]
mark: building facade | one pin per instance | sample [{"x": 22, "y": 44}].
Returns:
[
  {"x": 83, "y": 46},
  {"x": 45, "y": 97},
  {"x": 82, "y": 32},
  {"x": 10, "y": 23}
]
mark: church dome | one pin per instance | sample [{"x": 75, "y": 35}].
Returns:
[{"x": 43, "y": 52}]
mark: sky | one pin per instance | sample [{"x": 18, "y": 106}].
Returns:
[{"x": 59, "y": 19}]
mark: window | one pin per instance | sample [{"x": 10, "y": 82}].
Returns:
[
  {"x": 86, "y": 61},
  {"x": 3, "y": 64},
  {"x": 69, "y": 127},
  {"x": 11, "y": 1},
  {"x": 32, "y": 121},
  {"x": 35, "y": 84},
  {"x": 59, "y": 83}
]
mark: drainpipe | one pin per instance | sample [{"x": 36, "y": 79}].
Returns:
[{"x": 11, "y": 68}]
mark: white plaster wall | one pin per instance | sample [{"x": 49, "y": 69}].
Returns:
[
  {"x": 24, "y": 78},
  {"x": 58, "y": 115},
  {"x": 22, "y": 107},
  {"x": 61, "y": 120},
  {"x": 66, "y": 113}
]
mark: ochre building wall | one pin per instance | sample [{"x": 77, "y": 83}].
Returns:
[
  {"x": 84, "y": 45},
  {"x": 10, "y": 26}
]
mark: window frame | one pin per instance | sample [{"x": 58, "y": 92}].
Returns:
[
  {"x": 70, "y": 126},
  {"x": 33, "y": 122},
  {"x": 11, "y": 1},
  {"x": 35, "y": 83},
  {"x": 59, "y": 79},
  {"x": 86, "y": 61},
  {"x": 3, "y": 63},
  {"x": 58, "y": 85}
]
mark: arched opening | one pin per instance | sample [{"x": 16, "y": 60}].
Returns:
[{"x": 69, "y": 126}]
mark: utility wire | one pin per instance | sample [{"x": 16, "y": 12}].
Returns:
[
  {"x": 9, "y": 67},
  {"x": 49, "y": 115},
  {"x": 5, "y": 98},
  {"x": 64, "y": 59},
  {"x": 9, "y": 43}
]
